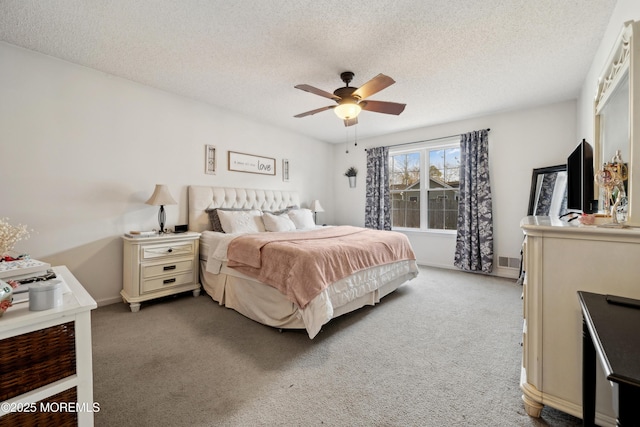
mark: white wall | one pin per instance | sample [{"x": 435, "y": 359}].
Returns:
[
  {"x": 625, "y": 10},
  {"x": 519, "y": 141},
  {"x": 81, "y": 151}
]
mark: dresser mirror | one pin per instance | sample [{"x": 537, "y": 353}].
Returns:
[
  {"x": 613, "y": 119},
  {"x": 548, "y": 195},
  {"x": 617, "y": 107}
]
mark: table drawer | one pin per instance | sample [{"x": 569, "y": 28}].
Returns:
[
  {"x": 164, "y": 250},
  {"x": 163, "y": 282},
  {"x": 170, "y": 268}
]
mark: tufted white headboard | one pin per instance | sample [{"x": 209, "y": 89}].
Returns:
[{"x": 202, "y": 197}]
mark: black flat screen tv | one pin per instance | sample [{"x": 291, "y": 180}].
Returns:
[{"x": 580, "y": 179}]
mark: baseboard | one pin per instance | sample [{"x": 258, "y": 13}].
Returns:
[
  {"x": 436, "y": 265},
  {"x": 108, "y": 301},
  {"x": 506, "y": 273}
]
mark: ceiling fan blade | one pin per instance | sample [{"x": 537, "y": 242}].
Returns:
[
  {"x": 383, "y": 107},
  {"x": 317, "y": 91},
  {"x": 350, "y": 122},
  {"x": 318, "y": 110},
  {"x": 374, "y": 85}
]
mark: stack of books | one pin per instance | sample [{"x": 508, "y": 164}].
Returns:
[
  {"x": 137, "y": 234},
  {"x": 25, "y": 271},
  {"x": 22, "y": 268}
]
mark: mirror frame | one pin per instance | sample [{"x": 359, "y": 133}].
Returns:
[
  {"x": 625, "y": 56},
  {"x": 533, "y": 194}
]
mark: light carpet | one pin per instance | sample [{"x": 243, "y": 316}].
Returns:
[{"x": 443, "y": 350}]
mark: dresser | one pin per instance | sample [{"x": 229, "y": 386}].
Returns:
[
  {"x": 46, "y": 376},
  {"x": 560, "y": 259},
  {"x": 158, "y": 266}
]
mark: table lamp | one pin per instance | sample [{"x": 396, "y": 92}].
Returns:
[
  {"x": 315, "y": 208},
  {"x": 161, "y": 197}
]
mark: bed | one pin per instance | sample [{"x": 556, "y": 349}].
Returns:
[{"x": 361, "y": 278}]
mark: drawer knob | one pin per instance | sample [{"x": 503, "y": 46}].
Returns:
[
  {"x": 169, "y": 281},
  {"x": 169, "y": 267},
  {"x": 169, "y": 250}
]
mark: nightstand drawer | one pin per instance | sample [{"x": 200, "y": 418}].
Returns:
[
  {"x": 166, "y": 282},
  {"x": 172, "y": 268},
  {"x": 157, "y": 251}
]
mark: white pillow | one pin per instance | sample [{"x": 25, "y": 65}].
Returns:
[
  {"x": 302, "y": 218},
  {"x": 241, "y": 221},
  {"x": 277, "y": 222}
]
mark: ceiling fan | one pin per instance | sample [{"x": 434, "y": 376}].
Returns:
[{"x": 352, "y": 100}]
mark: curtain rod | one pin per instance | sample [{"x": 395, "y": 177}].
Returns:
[{"x": 427, "y": 140}]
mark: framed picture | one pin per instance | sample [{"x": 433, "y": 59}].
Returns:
[
  {"x": 210, "y": 159},
  {"x": 285, "y": 170},
  {"x": 241, "y": 162}
]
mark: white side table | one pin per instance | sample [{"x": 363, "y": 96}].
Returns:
[
  {"x": 158, "y": 266},
  {"x": 53, "y": 366}
]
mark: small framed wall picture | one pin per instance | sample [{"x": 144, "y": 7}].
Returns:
[
  {"x": 285, "y": 170},
  {"x": 241, "y": 162},
  {"x": 210, "y": 159}
]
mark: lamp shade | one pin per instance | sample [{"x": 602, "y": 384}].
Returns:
[
  {"x": 161, "y": 196},
  {"x": 347, "y": 110},
  {"x": 316, "y": 207}
]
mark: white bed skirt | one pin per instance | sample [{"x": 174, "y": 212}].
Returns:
[{"x": 268, "y": 306}]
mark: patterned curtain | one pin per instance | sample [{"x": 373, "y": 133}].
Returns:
[
  {"x": 474, "y": 242},
  {"x": 378, "y": 208}
]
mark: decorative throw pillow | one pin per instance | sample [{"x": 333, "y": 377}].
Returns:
[
  {"x": 282, "y": 211},
  {"x": 214, "y": 220},
  {"x": 302, "y": 218},
  {"x": 241, "y": 221},
  {"x": 277, "y": 222}
]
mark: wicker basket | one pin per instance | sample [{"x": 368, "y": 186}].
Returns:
[
  {"x": 36, "y": 359},
  {"x": 38, "y": 418}
]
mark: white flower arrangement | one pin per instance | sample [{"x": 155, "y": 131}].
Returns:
[{"x": 10, "y": 235}]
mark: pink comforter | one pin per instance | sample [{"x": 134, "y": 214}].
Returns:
[{"x": 302, "y": 264}]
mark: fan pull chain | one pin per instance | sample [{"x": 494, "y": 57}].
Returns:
[
  {"x": 355, "y": 130},
  {"x": 347, "y": 140}
]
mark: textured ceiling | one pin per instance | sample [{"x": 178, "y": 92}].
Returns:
[{"x": 451, "y": 59}]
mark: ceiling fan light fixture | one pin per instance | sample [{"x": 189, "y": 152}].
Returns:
[
  {"x": 347, "y": 110},
  {"x": 352, "y": 100}
]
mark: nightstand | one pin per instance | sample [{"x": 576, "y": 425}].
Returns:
[{"x": 158, "y": 266}]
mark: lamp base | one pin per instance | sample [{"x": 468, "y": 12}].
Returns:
[{"x": 162, "y": 217}]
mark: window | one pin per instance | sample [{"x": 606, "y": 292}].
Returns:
[
  {"x": 404, "y": 174},
  {"x": 421, "y": 200}
]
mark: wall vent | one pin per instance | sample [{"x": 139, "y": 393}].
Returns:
[{"x": 507, "y": 262}]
